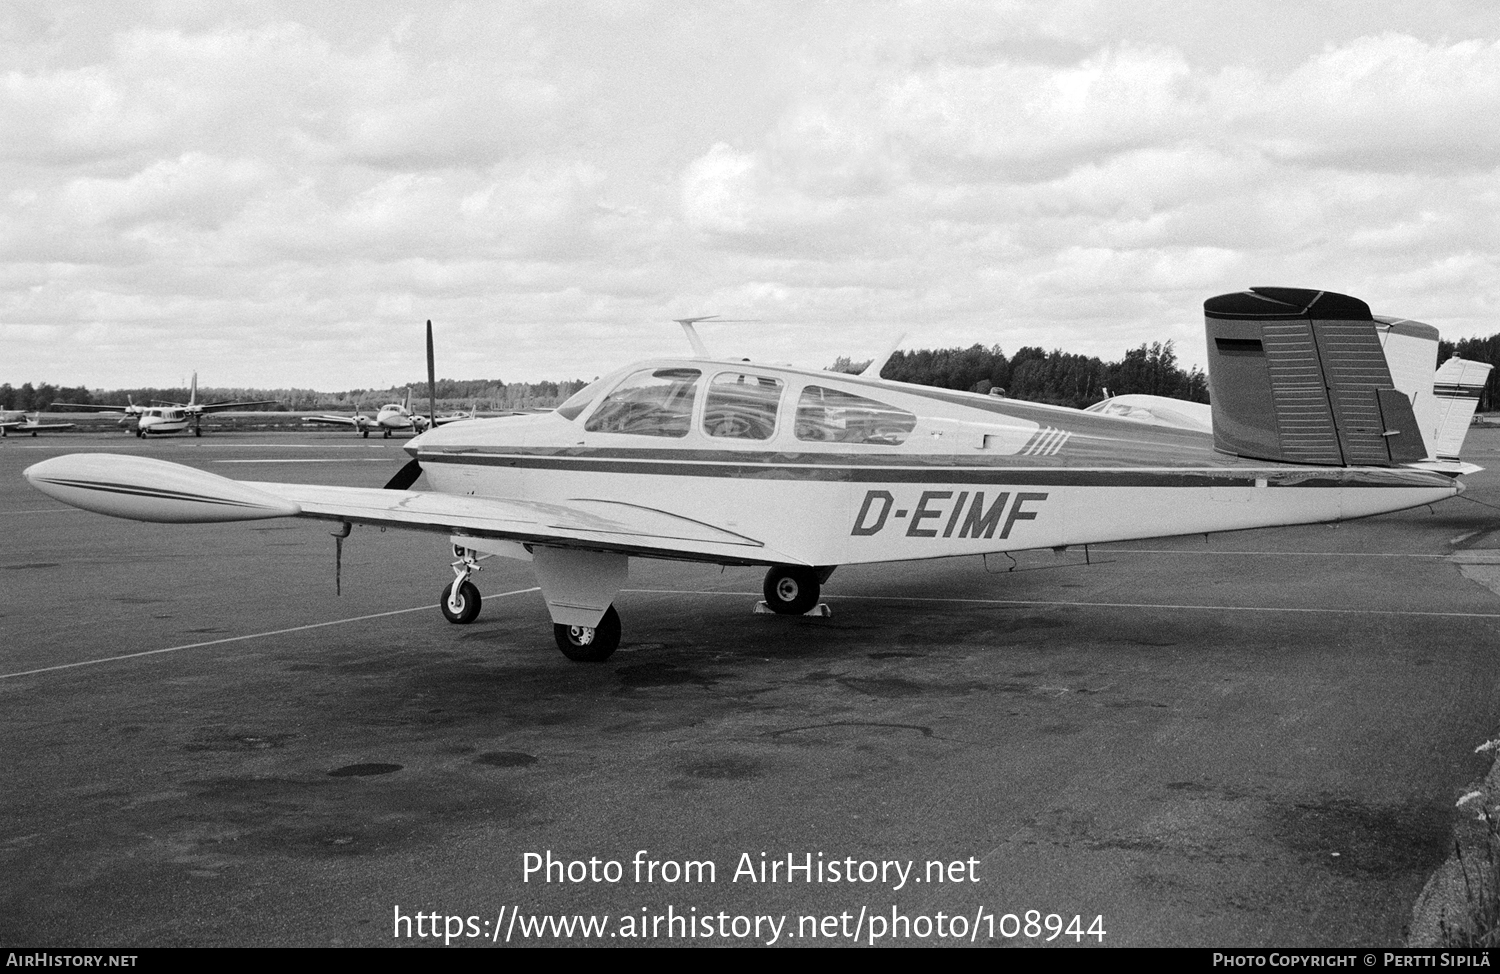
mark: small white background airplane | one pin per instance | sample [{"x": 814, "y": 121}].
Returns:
[
  {"x": 169, "y": 417},
  {"x": 1321, "y": 412}
]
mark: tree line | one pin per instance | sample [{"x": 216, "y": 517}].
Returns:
[
  {"x": 488, "y": 395},
  {"x": 1057, "y": 377},
  {"x": 1032, "y": 373}
]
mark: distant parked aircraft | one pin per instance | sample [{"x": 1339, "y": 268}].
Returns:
[
  {"x": 169, "y": 417},
  {"x": 16, "y": 421},
  {"x": 393, "y": 417}
]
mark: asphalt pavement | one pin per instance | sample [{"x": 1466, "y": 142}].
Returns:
[{"x": 1241, "y": 740}]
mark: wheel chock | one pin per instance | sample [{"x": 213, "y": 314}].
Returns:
[{"x": 819, "y": 611}]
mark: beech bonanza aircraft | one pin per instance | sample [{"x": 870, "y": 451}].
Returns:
[
  {"x": 17, "y": 421},
  {"x": 169, "y": 417},
  {"x": 1321, "y": 412}
]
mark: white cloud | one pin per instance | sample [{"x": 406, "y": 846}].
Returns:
[{"x": 556, "y": 181}]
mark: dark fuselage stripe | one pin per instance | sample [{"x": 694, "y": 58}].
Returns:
[{"x": 945, "y": 474}]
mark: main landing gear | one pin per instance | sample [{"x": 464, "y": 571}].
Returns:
[
  {"x": 460, "y": 603},
  {"x": 793, "y": 590},
  {"x": 789, "y": 590},
  {"x": 586, "y": 644}
]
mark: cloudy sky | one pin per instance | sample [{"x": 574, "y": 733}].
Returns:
[{"x": 278, "y": 194}]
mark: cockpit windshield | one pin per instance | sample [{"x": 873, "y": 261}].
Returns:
[{"x": 575, "y": 404}]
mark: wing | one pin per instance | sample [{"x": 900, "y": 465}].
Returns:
[
  {"x": 36, "y": 427},
  {"x": 94, "y": 406},
  {"x": 213, "y": 407},
  {"x": 145, "y": 489},
  {"x": 1158, "y": 411},
  {"x": 355, "y": 421}
]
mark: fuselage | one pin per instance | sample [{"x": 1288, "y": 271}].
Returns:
[
  {"x": 838, "y": 469},
  {"x": 162, "y": 419},
  {"x": 393, "y": 416}
]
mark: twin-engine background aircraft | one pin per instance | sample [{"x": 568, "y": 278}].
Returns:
[
  {"x": 1320, "y": 412},
  {"x": 168, "y": 417},
  {"x": 393, "y": 417},
  {"x": 19, "y": 421}
]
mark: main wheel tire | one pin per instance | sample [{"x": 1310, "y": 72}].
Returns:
[
  {"x": 791, "y": 590},
  {"x": 468, "y": 604},
  {"x": 584, "y": 645}
]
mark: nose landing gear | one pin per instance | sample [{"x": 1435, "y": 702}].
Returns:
[{"x": 460, "y": 600}]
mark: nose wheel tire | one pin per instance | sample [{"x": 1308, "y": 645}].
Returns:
[
  {"x": 465, "y": 608},
  {"x": 583, "y": 644},
  {"x": 791, "y": 590}
]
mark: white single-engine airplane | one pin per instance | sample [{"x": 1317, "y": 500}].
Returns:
[
  {"x": 1321, "y": 412},
  {"x": 169, "y": 417},
  {"x": 19, "y": 421}
]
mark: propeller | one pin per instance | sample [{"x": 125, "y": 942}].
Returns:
[
  {"x": 431, "y": 381},
  {"x": 408, "y": 474}
]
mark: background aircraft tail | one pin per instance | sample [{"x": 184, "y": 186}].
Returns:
[
  {"x": 1303, "y": 376},
  {"x": 1455, "y": 391}
]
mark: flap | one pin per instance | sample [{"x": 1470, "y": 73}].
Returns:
[{"x": 581, "y": 523}]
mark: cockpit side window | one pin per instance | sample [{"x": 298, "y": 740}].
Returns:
[
  {"x": 652, "y": 402},
  {"x": 834, "y": 416},
  {"x": 741, "y": 407}
]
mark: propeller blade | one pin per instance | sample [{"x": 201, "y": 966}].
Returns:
[
  {"x": 406, "y": 476},
  {"x": 431, "y": 381}
]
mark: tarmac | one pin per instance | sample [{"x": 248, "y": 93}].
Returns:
[{"x": 1249, "y": 739}]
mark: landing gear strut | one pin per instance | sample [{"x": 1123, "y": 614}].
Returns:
[
  {"x": 460, "y": 599},
  {"x": 589, "y": 644}
]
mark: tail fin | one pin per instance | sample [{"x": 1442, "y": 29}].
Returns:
[
  {"x": 1312, "y": 377},
  {"x": 1455, "y": 389},
  {"x": 1302, "y": 376}
]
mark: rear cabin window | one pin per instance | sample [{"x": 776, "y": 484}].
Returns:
[
  {"x": 653, "y": 402},
  {"x": 741, "y": 407},
  {"x": 833, "y": 416}
]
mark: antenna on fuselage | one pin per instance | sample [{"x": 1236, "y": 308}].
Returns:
[
  {"x": 872, "y": 371},
  {"x": 699, "y": 349}
]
